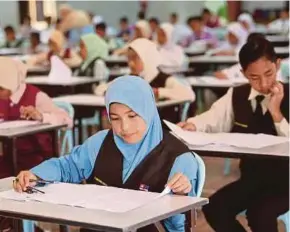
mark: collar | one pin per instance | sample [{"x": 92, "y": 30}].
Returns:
[
  {"x": 254, "y": 93},
  {"x": 16, "y": 96}
]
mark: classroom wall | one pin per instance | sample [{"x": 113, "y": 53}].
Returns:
[
  {"x": 250, "y": 6},
  {"x": 9, "y": 13}
]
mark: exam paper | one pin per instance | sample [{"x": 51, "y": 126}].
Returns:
[
  {"x": 6, "y": 125},
  {"x": 59, "y": 70},
  {"x": 254, "y": 141},
  {"x": 110, "y": 199}
]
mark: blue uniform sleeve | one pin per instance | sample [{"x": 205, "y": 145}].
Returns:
[
  {"x": 75, "y": 166},
  {"x": 187, "y": 165}
]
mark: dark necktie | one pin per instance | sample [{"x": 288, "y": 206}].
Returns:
[{"x": 258, "y": 114}]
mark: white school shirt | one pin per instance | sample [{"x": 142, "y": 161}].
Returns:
[{"x": 220, "y": 117}]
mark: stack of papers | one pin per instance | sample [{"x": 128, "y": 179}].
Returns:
[
  {"x": 255, "y": 141},
  {"x": 6, "y": 125},
  {"x": 88, "y": 196}
]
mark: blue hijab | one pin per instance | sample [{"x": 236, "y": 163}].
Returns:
[{"x": 137, "y": 94}]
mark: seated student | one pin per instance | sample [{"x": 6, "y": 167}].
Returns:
[
  {"x": 236, "y": 38},
  {"x": 11, "y": 40},
  {"x": 23, "y": 101},
  {"x": 247, "y": 21},
  {"x": 154, "y": 24},
  {"x": 56, "y": 46},
  {"x": 125, "y": 30},
  {"x": 35, "y": 44},
  {"x": 262, "y": 106},
  {"x": 141, "y": 151},
  {"x": 210, "y": 20},
  {"x": 144, "y": 60},
  {"x": 25, "y": 28},
  {"x": 199, "y": 32},
  {"x": 172, "y": 54},
  {"x": 234, "y": 72},
  {"x": 93, "y": 51},
  {"x": 282, "y": 23}
]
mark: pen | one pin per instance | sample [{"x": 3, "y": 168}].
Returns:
[
  {"x": 34, "y": 189},
  {"x": 100, "y": 181}
]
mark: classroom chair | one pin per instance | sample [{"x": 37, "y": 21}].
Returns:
[{"x": 67, "y": 145}]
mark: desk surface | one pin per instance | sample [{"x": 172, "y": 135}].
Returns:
[
  {"x": 277, "y": 38},
  {"x": 212, "y": 82},
  {"x": 95, "y": 219},
  {"x": 10, "y": 51},
  {"x": 98, "y": 101},
  {"x": 282, "y": 50},
  {"x": 214, "y": 59},
  {"x": 116, "y": 59},
  {"x": 22, "y": 131},
  {"x": 44, "y": 80},
  {"x": 278, "y": 151}
]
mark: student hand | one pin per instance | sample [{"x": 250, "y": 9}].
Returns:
[
  {"x": 23, "y": 182},
  {"x": 187, "y": 126},
  {"x": 179, "y": 184},
  {"x": 30, "y": 112},
  {"x": 220, "y": 75},
  {"x": 277, "y": 94},
  {"x": 156, "y": 95}
]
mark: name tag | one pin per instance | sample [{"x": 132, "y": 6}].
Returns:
[{"x": 240, "y": 124}]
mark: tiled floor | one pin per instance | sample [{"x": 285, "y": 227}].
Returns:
[{"x": 214, "y": 180}]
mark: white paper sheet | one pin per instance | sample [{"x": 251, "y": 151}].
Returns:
[
  {"x": 255, "y": 141},
  {"x": 83, "y": 99},
  {"x": 88, "y": 196},
  {"x": 59, "y": 70},
  {"x": 6, "y": 125}
]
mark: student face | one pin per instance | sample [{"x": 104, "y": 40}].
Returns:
[
  {"x": 262, "y": 74},
  {"x": 4, "y": 93},
  {"x": 101, "y": 33},
  {"x": 83, "y": 50},
  {"x": 128, "y": 125},
  {"x": 161, "y": 37},
  {"x": 138, "y": 33},
  {"x": 284, "y": 15},
  {"x": 206, "y": 17},
  {"x": 53, "y": 46},
  {"x": 153, "y": 26},
  {"x": 10, "y": 36},
  {"x": 123, "y": 25},
  {"x": 245, "y": 25},
  {"x": 232, "y": 39},
  {"x": 195, "y": 25},
  {"x": 173, "y": 20},
  {"x": 134, "y": 62},
  {"x": 34, "y": 41}
]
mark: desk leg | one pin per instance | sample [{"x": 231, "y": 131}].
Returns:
[
  {"x": 17, "y": 225},
  {"x": 11, "y": 149},
  {"x": 193, "y": 219},
  {"x": 55, "y": 149},
  {"x": 80, "y": 131},
  {"x": 159, "y": 227}
]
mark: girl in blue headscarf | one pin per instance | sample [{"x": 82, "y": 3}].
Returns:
[{"x": 136, "y": 154}]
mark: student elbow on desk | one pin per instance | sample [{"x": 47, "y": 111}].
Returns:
[
  {"x": 262, "y": 106},
  {"x": 144, "y": 156}
]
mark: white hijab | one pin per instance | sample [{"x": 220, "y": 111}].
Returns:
[
  {"x": 247, "y": 18},
  {"x": 150, "y": 56},
  {"x": 239, "y": 31},
  {"x": 75, "y": 19},
  {"x": 172, "y": 54},
  {"x": 144, "y": 27},
  {"x": 13, "y": 74}
]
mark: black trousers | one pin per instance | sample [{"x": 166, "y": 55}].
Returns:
[{"x": 263, "y": 198}]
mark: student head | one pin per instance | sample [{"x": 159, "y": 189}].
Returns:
[
  {"x": 255, "y": 36},
  {"x": 259, "y": 64},
  {"x": 48, "y": 20},
  {"x": 34, "y": 39},
  {"x": 164, "y": 34},
  {"x": 12, "y": 78},
  {"x": 247, "y": 21},
  {"x": 56, "y": 42},
  {"x": 142, "y": 29},
  {"x": 154, "y": 23},
  {"x": 284, "y": 14},
  {"x": 124, "y": 23},
  {"x": 195, "y": 23},
  {"x": 206, "y": 14},
  {"x": 64, "y": 10},
  {"x": 10, "y": 33},
  {"x": 91, "y": 47},
  {"x": 101, "y": 29},
  {"x": 26, "y": 20},
  {"x": 58, "y": 24},
  {"x": 144, "y": 58},
  {"x": 236, "y": 34},
  {"x": 141, "y": 15},
  {"x": 173, "y": 18},
  {"x": 132, "y": 112}
]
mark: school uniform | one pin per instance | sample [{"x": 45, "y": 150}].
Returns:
[
  {"x": 172, "y": 54},
  {"x": 263, "y": 188},
  {"x": 279, "y": 25},
  {"x": 148, "y": 163},
  {"x": 32, "y": 149},
  {"x": 17, "y": 43},
  {"x": 94, "y": 65}
]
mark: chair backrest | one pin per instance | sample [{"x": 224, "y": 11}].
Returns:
[
  {"x": 65, "y": 106},
  {"x": 200, "y": 175}
]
